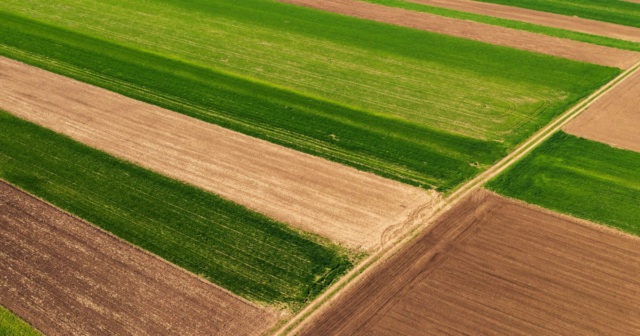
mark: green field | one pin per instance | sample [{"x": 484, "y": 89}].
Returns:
[
  {"x": 614, "y": 11},
  {"x": 498, "y": 95},
  {"x": 580, "y": 177},
  {"x": 11, "y": 325},
  {"x": 533, "y": 28},
  {"x": 245, "y": 252}
]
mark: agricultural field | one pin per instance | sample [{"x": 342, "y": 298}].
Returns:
[
  {"x": 580, "y": 177},
  {"x": 67, "y": 277},
  {"x": 493, "y": 266},
  {"x": 11, "y": 325},
  {"x": 416, "y": 131}
]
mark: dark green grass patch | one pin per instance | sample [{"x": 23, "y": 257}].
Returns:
[
  {"x": 533, "y": 28},
  {"x": 11, "y": 325},
  {"x": 580, "y": 177},
  {"x": 240, "y": 250},
  {"x": 614, "y": 11}
]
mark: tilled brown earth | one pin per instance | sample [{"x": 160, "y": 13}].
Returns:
[
  {"x": 572, "y": 23},
  {"x": 518, "y": 39},
  {"x": 614, "y": 119},
  {"x": 493, "y": 266},
  {"x": 67, "y": 277},
  {"x": 316, "y": 195}
]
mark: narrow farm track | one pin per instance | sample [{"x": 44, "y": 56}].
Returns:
[
  {"x": 541, "y": 18},
  {"x": 67, "y": 277},
  {"x": 419, "y": 220},
  {"x": 518, "y": 39},
  {"x": 348, "y": 206}
]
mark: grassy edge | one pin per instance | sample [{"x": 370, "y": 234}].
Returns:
[{"x": 12, "y": 325}]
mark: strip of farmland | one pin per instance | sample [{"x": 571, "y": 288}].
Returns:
[
  {"x": 348, "y": 206},
  {"x": 242, "y": 251},
  {"x": 519, "y": 39},
  {"x": 67, "y": 277},
  {"x": 580, "y": 177},
  {"x": 496, "y": 266},
  {"x": 614, "y": 119}
]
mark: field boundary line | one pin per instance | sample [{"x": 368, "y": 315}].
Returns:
[{"x": 297, "y": 322}]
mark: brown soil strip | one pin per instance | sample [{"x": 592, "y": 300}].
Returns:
[
  {"x": 67, "y": 277},
  {"x": 518, "y": 39},
  {"x": 614, "y": 119},
  {"x": 316, "y": 195},
  {"x": 636, "y": 1},
  {"x": 501, "y": 267},
  {"x": 540, "y": 18}
]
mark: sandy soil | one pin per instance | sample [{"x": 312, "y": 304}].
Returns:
[
  {"x": 541, "y": 18},
  {"x": 493, "y": 266},
  {"x": 341, "y": 203},
  {"x": 614, "y": 119},
  {"x": 66, "y": 277},
  {"x": 478, "y": 31}
]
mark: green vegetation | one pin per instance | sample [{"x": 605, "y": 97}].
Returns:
[
  {"x": 533, "y": 28},
  {"x": 614, "y": 11},
  {"x": 242, "y": 251},
  {"x": 389, "y": 146},
  {"x": 11, "y": 325},
  {"x": 580, "y": 177}
]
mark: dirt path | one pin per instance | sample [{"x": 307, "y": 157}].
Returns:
[
  {"x": 316, "y": 195},
  {"x": 493, "y": 266},
  {"x": 540, "y": 18},
  {"x": 518, "y": 39},
  {"x": 67, "y": 277},
  {"x": 614, "y": 119}
]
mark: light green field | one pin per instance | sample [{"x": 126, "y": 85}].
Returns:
[{"x": 11, "y": 325}]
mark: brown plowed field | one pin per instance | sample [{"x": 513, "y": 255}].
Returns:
[
  {"x": 519, "y": 39},
  {"x": 614, "y": 119},
  {"x": 335, "y": 201},
  {"x": 541, "y": 18},
  {"x": 66, "y": 277},
  {"x": 493, "y": 266}
]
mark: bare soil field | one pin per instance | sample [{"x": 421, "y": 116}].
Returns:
[
  {"x": 493, "y": 266},
  {"x": 541, "y": 18},
  {"x": 67, "y": 277},
  {"x": 614, "y": 119},
  {"x": 316, "y": 195},
  {"x": 518, "y": 39}
]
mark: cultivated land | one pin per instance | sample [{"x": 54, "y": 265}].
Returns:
[
  {"x": 67, "y": 277},
  {"x": 348, "y": 206},
  {"x": 11, "y": 325},
  {"x": 614, "y": 119},
  {"x": 580, "y": 177},
  {"x": 242, "y": 251},
  {"x": 519, "y": 39},
  {"x": 495, "y": 266},
  {"x": 501, "y": 95}
]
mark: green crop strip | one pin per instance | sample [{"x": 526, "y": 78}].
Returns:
[
  {"x": 245, "y": 252},
  {"x": 533, "y": 28},
  {"x": 388, "y": 146},
  {"x": 579, "y": 177},
  {"x": 614, "y": 11},
  {"x": 11, "y": 325}
]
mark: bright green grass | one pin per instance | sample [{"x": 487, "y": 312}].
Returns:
[
  {"x": 533, "y": 28},
  {"x": 11, "y": 325},
  {"x": 613, "y": 11},
  {"x": 245, "y": 252},
  {"x": 467, "y": 87},
  {"x": 388, "y": 146},
  {"x": 580, "y": 177}
]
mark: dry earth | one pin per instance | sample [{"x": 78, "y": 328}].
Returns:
[
  {"x": 519, "y": 39},
  {"x": 316, "y": 195},
  {"x": 493, "y": 266},
  {"x": 541, "y": 18},
  {"x": 614, "y": 119},
  {"x": 67, "y": 277}
]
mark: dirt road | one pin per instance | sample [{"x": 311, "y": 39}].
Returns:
[
  {"x": 316, "y": 195},
  {"x": 66, "y": 277},
  {"x": 518, "y": 39},
  {"x": 496, "y": 266}
]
